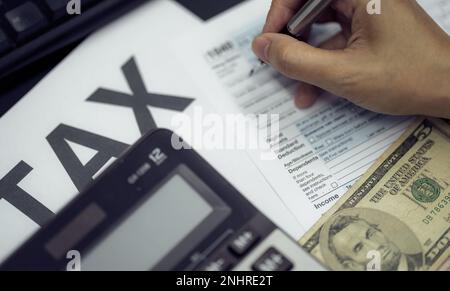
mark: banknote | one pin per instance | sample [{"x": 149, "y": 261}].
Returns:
[
  {"x": 445, "y": 266},
  {"x": 397, "y": 216}
]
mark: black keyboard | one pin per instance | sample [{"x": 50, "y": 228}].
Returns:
[{"x": 31, "y": 30}]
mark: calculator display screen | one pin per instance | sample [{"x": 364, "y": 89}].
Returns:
[{"x": 170, "y": 222}]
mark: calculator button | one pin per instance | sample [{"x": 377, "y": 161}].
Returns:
[
  {"x": 220, "y": 263},
  {"x": 243, "y": 242},
  {"x": 26, "y": 20},
  {"x": 272, "y": 260}
]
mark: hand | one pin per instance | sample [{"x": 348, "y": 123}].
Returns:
[{"x": 395, "y": 63}]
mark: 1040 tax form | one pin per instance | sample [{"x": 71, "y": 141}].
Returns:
[{"x": 319, "y": 152}]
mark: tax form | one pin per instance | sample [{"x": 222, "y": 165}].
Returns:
[
  {"x": 439, "y": 10},
  {"x": 319, "y": 152}
]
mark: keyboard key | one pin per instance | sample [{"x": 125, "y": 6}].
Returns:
[
  {"x": 272, "y": 261},
  {"x": 5, "y": 44},
  {"x": 26, "y": 20},
  {"x": 58, "y": 8},
  {"x": 243, "y": 242}
]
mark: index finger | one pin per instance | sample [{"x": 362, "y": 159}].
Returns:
[{"x": 281, "y": 11}]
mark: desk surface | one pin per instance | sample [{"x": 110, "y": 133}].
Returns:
[{"x": 19, "y": 84}]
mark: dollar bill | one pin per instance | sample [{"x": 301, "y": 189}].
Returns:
[
  {"x": 396, "y": 217},
  {"x": 445, "y": 266}
]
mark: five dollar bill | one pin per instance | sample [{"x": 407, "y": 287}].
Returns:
[{"x": 397, "y": 217}]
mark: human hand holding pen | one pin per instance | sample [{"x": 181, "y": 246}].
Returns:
[{"x": 396, "y": 63}]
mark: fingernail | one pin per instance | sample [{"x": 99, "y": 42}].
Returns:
[{"x": 261, "y": 48}]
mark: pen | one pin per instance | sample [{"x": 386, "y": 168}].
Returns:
[
  {"x": 301, "y": 20},
  {"x": 306, "y": 16}
]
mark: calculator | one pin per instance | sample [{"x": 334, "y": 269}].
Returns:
[{"x": 162, "y": 208}]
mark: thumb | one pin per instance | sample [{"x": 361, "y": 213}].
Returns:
[{"x": 301, "y": 61}]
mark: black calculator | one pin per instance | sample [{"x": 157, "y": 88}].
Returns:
[{"x": 159, "y": 208}]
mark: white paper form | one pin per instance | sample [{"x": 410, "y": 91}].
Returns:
[
  {"x": 320, "y": 152},
  {"x": 439, "y": 10},
  {"x": 62, "y": 108}
]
